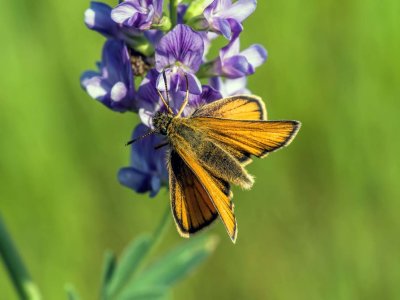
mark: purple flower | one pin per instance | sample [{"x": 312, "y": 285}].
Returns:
[
  {"x": 113, "y": 85},
  {"x": 148, "y": 171},
  {"x": 230, "y": 87},
  {"x": 180, "y": 52},
  {"x": 225, "y": 17},
  {"x": 149, "y": 101},
  {"x": 234, "y": 64},
  {"x": 98, "y": 18},
  {"x": 139, "y": 14}
]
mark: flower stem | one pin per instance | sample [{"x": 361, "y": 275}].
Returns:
[
  {"x": 156, "y": 239},
  {"x": 173, "y": 12},
  {"x": 25, "y": 287},
  {"x": 162, "y": 227}
]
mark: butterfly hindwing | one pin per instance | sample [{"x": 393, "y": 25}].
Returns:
[
  {"x": 216, "y": 189},
  {"x": 191, "y": 204}
]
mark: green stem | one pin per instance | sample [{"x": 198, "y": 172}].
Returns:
[
  {"x": 173, "y": 12},
  {"x": 157, "y": 237},
  {"x": 25, "y": 287},
  {"x": 162, "y": 227}
]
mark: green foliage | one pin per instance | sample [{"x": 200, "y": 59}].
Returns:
[
  {"x": 130, "y": 260},
  {"x": 125, "y": 280},
  {"x": 178, "y": 263}
]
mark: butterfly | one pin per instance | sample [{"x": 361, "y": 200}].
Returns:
[{"x": 209, "y": 151}]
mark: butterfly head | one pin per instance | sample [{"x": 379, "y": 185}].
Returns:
[{"x": 161, "y": 122}]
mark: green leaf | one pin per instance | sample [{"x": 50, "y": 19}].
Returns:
[
  {"x": 108, "y": 271},
  {"x": 130, "y": 259},
  {"x": 178, "y": 263},
  {"x": 144, "y": 293},
  {"x": 71, "y": 293}
]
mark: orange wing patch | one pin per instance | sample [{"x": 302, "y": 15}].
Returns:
[
  {"x": 251, "y": 137},
  {"x": 236, "y": 108}
]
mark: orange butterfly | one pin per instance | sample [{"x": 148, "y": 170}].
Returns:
[{"x": 208, "y": 152}]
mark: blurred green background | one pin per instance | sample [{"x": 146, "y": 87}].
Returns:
[{"x": 322, "y": 219}]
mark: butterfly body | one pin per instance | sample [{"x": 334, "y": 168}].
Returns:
[{"x": 209, "y": 151}]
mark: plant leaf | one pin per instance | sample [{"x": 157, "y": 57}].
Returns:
[
  {"x": 108, "y": 271},
  {"x": 177, "y": 263},
  {"x": 144, "y": 293},
  {"x": 128, "y": 264}
]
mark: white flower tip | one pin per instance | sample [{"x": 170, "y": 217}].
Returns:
[
  {"x": 90, "y": 17},
  {"x": 118, "y": 91},
  {"x": 95, "y": 91}
]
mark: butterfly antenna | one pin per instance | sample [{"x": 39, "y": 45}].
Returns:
[
  {"x": 166, "y": 85},
  {"x": 186, "y": 100},
  {"x": 140, "y": 137},
  {"x": 165, "y": 102}
]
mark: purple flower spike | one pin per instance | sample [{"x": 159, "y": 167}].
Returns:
[
  {"x": 180, "y": 52},
  {"x": 113, "y": 85},
  {"x": 234, "y": 64},
  {"x": 148, "y": 172},
  {"x": 225, "y": 17},
  {"x": 139, "y": 14}
]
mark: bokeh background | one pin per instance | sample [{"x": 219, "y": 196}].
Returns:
[{"x": 322, "y": 221}]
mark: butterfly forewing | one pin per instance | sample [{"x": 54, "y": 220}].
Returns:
[
  {"x": 245, "y": 107},
  {"x": 236, "y": 107}
]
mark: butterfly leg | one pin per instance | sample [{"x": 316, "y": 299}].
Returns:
[{"x": 161, "y": 145}]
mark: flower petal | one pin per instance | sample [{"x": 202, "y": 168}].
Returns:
[
  {"x": 232, "y": 49},
  {"x": 240, "y": 10},
  {"x": 98, "y": 18},
  {"x": 148, "y": 168},
  {"x": 146, "y": 116},
  {"x": 255, "y": 55},
  {"x": 123, "y": 12},
  {"x": 147, "y": 96},
  {"x": 236, "y": 87},
  {"x": 94, "y": 87},
  {"x": 118, "y": 91},
  {"x": 182, "y": 45},
  {"x": 194, "y": 84},
  {"x": 155, "y": 184},
  {"x": 135, "y": 179},
  {"x": 236, "y": 66},
  {"x": 222, "y": 25}
]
